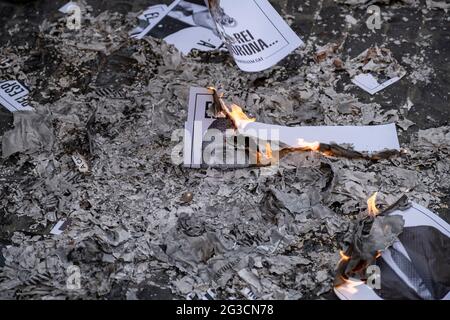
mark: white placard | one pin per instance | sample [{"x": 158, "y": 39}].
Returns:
[{"x": 254, "y": 32}]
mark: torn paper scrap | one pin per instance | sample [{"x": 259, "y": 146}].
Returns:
[
  {"x": 185, "y": 24},
  {"x": 367, "y": 82},
  {"x": 375, "y": 69},
  {"x": 60, "y": 226},
  {"x": 415, "y": 267},
  {"x": 254, "y": 32},
  {"x": 14, "y": 96},
  {"x": 201, "y": 123},
  {"x": 80, "y": 162}
]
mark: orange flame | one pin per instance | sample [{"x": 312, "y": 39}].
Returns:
[
  {"x": 371, "y": 205},
  {"x": 237, "y": 115},
  {"x": 344, "y": 257}
]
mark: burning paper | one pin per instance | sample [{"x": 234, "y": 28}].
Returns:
[
  {"x": 254, "y": 33},
  {"x": 216, "y": 141},
  {"x": 375, "y": 69},
  {"x": 14, "y": 96},
  {"x": 413, "y": 266}
]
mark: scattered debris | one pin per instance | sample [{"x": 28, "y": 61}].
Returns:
[{"x": 375, "y": 61}]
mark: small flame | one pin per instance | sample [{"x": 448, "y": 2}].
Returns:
[
  {"x": 313, "y": 146},
  {"x": 237, "y": 115},
  {"x": 211, "y": 88},
  {"x": 378, "y": 254},
  {"x": 344, "y": 257},
  {"x": 371, "y": 205}
]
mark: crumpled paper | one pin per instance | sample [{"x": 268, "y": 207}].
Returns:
[{"x": 32, "y": 132}]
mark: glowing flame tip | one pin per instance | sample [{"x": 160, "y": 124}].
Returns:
[{"x": 371, "y": 205}]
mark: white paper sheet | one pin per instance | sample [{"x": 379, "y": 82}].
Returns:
[
  {"x": 14, "y": 96},
  {"x": 416, "y": 215},
  {"x": 363, "y": 138},
  {"x": 255, "y": 33},
  {"x": 367, "y": 82}
]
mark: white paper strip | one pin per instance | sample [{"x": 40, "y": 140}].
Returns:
[{"x": 362, "y": 138}]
